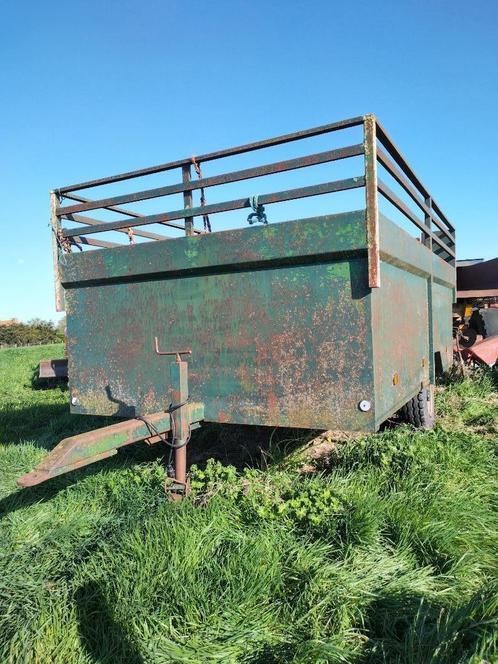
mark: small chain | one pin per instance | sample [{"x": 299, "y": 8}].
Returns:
[{"x": 205, "y": 217}]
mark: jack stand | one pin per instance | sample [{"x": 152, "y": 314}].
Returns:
[
  {"x": 86, "y": 448},
  {"x": 180, "y": 425}
]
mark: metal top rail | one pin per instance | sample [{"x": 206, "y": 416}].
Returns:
[
  {"x": 211, "y": 156},
  {"x": 377, "y": 147}
]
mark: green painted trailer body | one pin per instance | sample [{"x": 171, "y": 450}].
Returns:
[
  {"x": 331, "y": 321},
  {"x": 282, "y": 323}
]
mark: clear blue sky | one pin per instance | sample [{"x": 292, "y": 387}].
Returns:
[{"x": 93, "y": 88}]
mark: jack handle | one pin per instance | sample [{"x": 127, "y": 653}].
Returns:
[{"x": 178, "y": 353}]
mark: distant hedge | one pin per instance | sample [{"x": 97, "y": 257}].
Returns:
[{"x": 32, "y": 333}]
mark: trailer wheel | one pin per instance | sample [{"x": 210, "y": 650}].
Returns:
[
  {"x": 419, "y": 411},
  {"x": 466, "y": 337}
]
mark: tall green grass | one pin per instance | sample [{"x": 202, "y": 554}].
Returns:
[{"x": 387, "y": 555}]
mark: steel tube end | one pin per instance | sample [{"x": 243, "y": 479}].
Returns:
[{"x": 32, "y": 479}]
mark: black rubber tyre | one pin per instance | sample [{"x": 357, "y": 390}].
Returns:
[
  {"x": 467, "y": 337},
  {"x": 419, "y": 411}
]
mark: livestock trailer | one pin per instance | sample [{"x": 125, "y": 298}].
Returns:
[{"x": 332, "y": 320}]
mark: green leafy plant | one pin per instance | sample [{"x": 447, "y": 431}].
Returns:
[{"x": 215, "y": 477}]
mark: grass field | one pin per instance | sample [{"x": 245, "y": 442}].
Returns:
[{"x": 386, "y": 553}]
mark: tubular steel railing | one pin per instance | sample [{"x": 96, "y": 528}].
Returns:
[{"x": 437, "y": 233}]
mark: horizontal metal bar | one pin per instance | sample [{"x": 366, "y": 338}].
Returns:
[
  {"x": 439, "y": 251},
  {"x": 491, "y": 292},
  {"x": 82, "y": 199},
  {"x": 442, "y": 253},
  {"x": 89, "y": 221},
  {"x": 395, "y": 153},
  {"x": 96, "y": 243},
  {"x": 398, "y": 203},
  {"x": 226, "y": 178},
  {"x": 210, "y": 156},
  {"x": 128, "y": 213},
  {"x": 442, "y": 216},
  {"x": 391, "y": 168},
  {"x": 264, "y": 199}
]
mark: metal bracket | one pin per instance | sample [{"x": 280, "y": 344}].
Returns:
[
  {"x": 176, "y": 489},
  {"x": 259, "y": 211}
]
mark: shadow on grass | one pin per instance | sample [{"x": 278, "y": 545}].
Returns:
[
  {"x": 241, "y": 446},
  {"x": 45, "y": 425},
  {"x": 103, "y": 638},
  {"x": 408, "y": 627},
  {"x": 246, "y": 445}
]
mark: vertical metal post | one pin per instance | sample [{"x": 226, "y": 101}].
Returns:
[
  {"x": 179, "y": 394},
  {"x": 428, "y": 222},
  {"x": 453, "y": 247},
  {"x": 371, "y": 199},
  {"x": 427, "y": 240},
  {"x": 187, "y": 200},
  {"x": 430, "y": 305},
  {"x": 56, "y": 225}
]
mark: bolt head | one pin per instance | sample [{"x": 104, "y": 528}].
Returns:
[
  {"x": 74, "y": 401},
  {"x": 364, "y": 405}
]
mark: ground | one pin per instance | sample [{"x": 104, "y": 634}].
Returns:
[{"x": 362, "y": 550}]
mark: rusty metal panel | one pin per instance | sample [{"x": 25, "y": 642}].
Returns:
[
  {"x": 297, "y": 241},
  {"x": 442, "y": 323},
  {"x": 283, "y": 326},
  {"x": 478, "y": 280},
  {"x": 277, "y": 317},
  {"x": 416, "y": 294},
  {"x": 400, "y": 329},
  {"x": 484, "y": 351}
]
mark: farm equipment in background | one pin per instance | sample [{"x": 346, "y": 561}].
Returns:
[
  {"x": 53, "y": 370},
  {"x": 475, "y": 313},
  {"x": 331, "y": 321}
]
